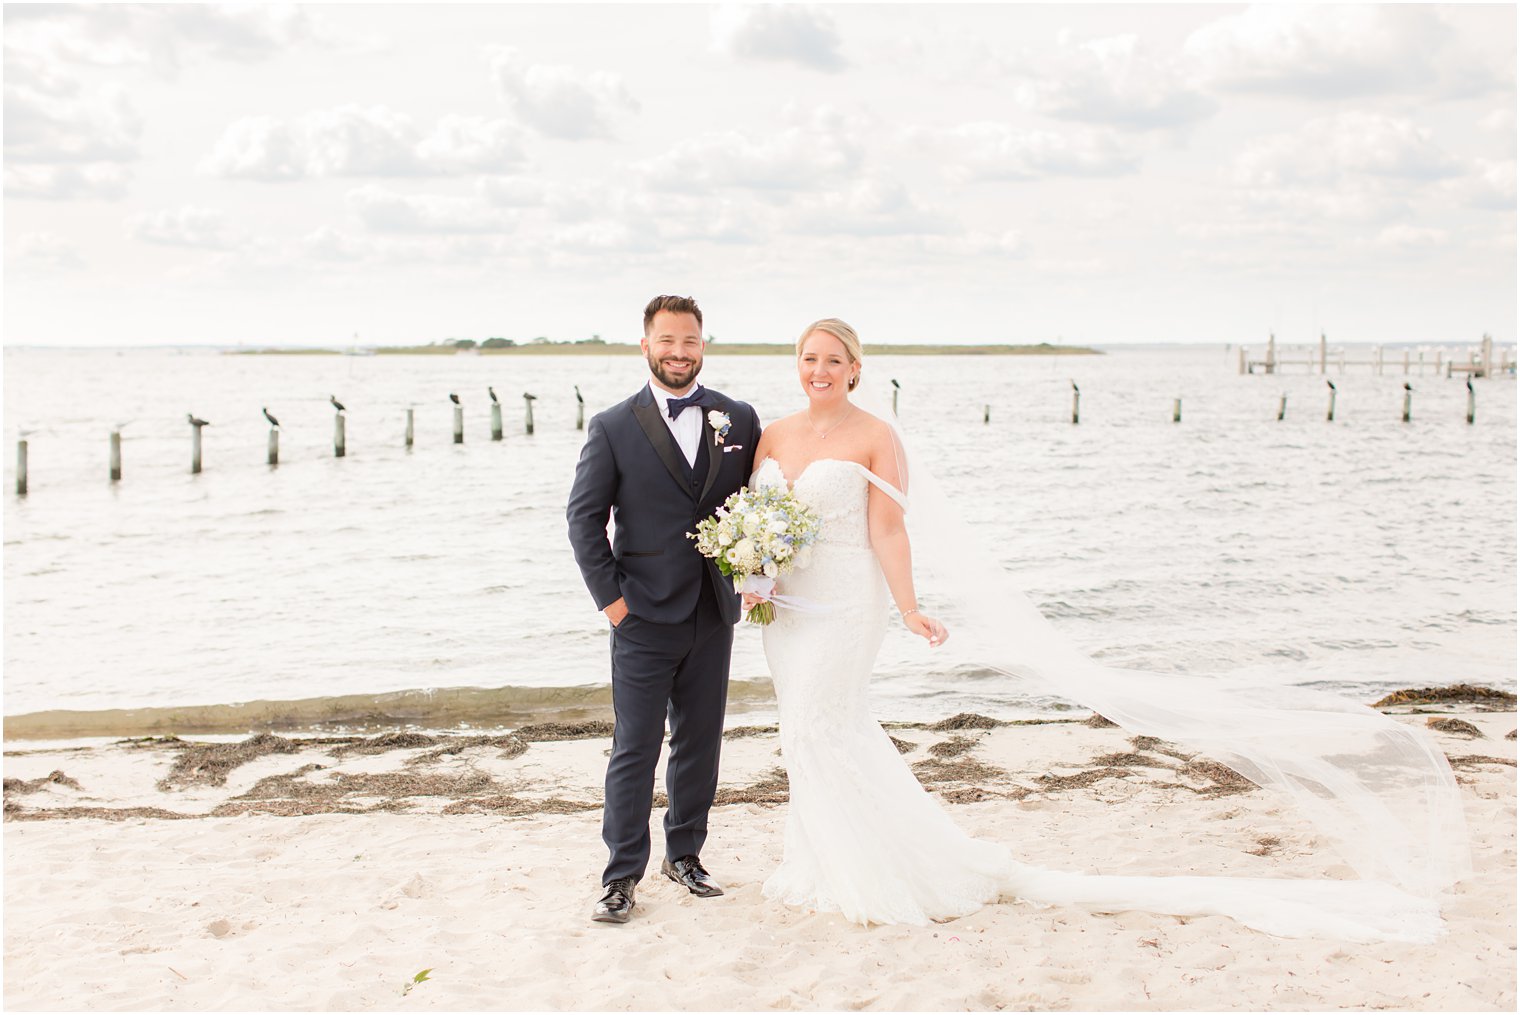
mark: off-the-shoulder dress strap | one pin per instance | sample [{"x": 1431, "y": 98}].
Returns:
[{"x": 884, "y": 486}]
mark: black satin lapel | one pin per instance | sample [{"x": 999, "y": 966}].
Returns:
[
  {"x": 648, "y": 415},
  {"x": 714, "y": 457}
]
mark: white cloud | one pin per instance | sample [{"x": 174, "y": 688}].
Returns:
[
  {"x": 327, "y": 244},
  {"x": 1331, "y": 148},
  {"x": 1489, "y": 185},
  {"x": 871, "y": 207},
  {"x": 361, "y": 141},
  {"x": 511, "y": 191},
  {"x": 100, "y": 126},
  {"x": 387, "y": 211},
  {"x": 1113, "y": 81},
  {"x": 997, "y": 151},
  {"x": 1337, "y": 51},
  {"x": 163, "y": 37},
  {"x": 1407, "y": 237},
  {"x": 825, "y": 146},
  {"x": 561, "y": 102},
  {"x": 468, "y": 144},
  {"x": 49, "y": 250},
  {"x": 100, "y": 181},
  {"x": 789, "y": 33},
  {"x": 189, "y": 226}
]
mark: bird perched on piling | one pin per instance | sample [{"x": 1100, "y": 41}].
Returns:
[
  {"x": 272, "y": 420},
  {"x": 335, "y": 403},
  {"x": 492, "y": 392},
  {"x": 195, "y": 422},
  {"x": 1407, "y": 387},
  {"x": 578, "y": 398},
  {"x": 453, "y": 398},
  {"x": 1331, "y": 383},
  {"x": 529, "y": 397}
]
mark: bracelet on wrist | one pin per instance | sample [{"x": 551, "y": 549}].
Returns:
[{"x": 915, "y": 609}]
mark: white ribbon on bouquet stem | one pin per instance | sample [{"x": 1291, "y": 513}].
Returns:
[{"x": 765, "y": 588}]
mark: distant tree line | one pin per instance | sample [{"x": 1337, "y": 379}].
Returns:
[{"x": 508, "y": 343}]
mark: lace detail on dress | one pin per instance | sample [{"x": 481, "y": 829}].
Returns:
[{"x": 862, "y": 836}]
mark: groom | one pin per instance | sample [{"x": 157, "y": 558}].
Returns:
[{"x": 660, "y": 462}]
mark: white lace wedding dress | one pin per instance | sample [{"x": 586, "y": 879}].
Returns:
[{"x": 864, "y": 839}]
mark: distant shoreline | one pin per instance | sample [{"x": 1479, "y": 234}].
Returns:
[{"x": 716, "y": 349}]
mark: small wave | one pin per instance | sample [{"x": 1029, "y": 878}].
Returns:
[{"x": 429, "y": 708}]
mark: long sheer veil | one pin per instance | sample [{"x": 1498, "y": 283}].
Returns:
[{"x": 1379, "y": 790}]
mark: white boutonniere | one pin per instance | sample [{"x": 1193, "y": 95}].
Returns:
[{"x": 720, "y": 423}]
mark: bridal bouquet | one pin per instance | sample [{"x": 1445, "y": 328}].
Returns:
[{"x": 756, "y": 536}]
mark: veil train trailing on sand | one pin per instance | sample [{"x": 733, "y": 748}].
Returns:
[{"x": 1379, "y": 790}]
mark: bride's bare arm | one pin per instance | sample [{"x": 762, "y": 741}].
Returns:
[{"x": 889, "y": 539}]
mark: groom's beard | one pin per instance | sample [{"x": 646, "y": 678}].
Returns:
[{"x": 669, "y": 379}]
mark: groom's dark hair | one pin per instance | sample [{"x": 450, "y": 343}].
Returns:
[{"x": 674, "y": 304}]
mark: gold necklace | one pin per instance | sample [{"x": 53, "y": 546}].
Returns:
[{"x": 825, "y": 434}]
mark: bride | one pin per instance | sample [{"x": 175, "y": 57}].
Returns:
[{"x": 864, "y": 839}]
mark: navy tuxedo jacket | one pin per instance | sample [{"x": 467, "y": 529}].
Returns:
[{"x": 632, "y": 467}]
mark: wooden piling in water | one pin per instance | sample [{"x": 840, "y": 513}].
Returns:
[
  {"x": 340, "y": 435},
  {"x": 1408, "y": 400},
  {"x": 580, "y": 409},
  {"x": 21, "y": 468},
  {"x": 116, "y": 456},
  {"x": 1176, "y": 410},
  {"x": 1472, "y": 403},
  {"x": 1378, "y": 354},
  {"x": 1330, "y": 416},
  {"x": 1076, "y": 403},
  {"x": 410, "y": 415},
  {"x": 1282, "y": 406},
  {"x": 196, "y": 425},
  {"x": 458, "y": 423},
  {"x": 895, "y": 389},
  {"x": 1406, "y": 362},
  {"x": 528, "y": 401},
  {"x": 986, "y": 414},
  {"x": 273, "y": 458},
  {"x": 496, "y": 421},
  {"x": 1322, "y": 344}
]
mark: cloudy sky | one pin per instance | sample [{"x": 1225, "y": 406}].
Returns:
[{"x": 300, "y": 175}]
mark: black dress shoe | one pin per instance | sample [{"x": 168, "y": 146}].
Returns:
[
  {"x": 687, "y": 870},
  {"x": 617, "y": 904}
]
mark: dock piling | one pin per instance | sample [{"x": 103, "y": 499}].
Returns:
[
  {"x": 196, "y": 425},
  {"x": 410, "y": 416},
  {"x": 580, "y": 409},
  {"x": 21, "y": 468},
  {"x": 1330, "y": 415},
  {"x": 116, "y": 456},
  {"x": 1076, "y": 403},
  {"x": 528, "y": 400}
]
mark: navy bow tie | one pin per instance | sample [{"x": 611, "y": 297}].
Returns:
[{"x": 676, "y": 406}]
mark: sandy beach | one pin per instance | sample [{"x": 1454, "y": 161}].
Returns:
[{"x": 328, "y": 872}]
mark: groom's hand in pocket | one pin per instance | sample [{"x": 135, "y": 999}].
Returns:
[{"x": 616, "y": 611}]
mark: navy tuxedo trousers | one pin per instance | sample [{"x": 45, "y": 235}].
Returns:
[{"x": 684, "y": 665}]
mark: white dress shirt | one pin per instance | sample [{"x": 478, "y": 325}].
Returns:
[{"x": 687, "y": 430}]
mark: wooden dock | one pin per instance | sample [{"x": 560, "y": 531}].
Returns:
[{"x": 1475, "y": 361}]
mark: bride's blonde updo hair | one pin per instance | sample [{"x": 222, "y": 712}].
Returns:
[{"x": 842, "y": 331}]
